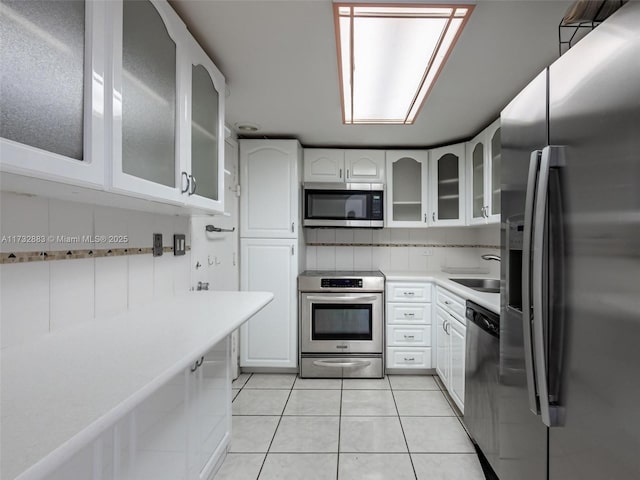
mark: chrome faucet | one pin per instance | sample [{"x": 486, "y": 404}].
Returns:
[{"x": 489, "y": 256}]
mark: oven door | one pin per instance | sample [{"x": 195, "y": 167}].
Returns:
[{"x": 341, "y": 323}]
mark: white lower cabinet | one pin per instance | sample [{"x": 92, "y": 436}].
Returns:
[
  {"x": 450, "y": 343},
  {"x": 408, "y": 314},
  {"x": 180, "y": 432},
  {"x": 270, "y": 338}
]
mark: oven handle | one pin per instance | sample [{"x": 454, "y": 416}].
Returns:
[
  {"x": 349, "y": 298},
  {"x": 341, "y": 364}
]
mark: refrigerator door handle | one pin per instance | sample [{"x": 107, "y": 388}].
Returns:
[
  {"x": 551, "y": 157},
  {"x": 534, "y": 164}
]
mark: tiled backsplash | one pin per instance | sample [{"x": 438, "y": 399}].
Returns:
[
  {"x": 419, "y": 250},
  {"x": 43, "y": 296}
]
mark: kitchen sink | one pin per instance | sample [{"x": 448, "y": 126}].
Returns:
[{"x": 486, "y": 285}]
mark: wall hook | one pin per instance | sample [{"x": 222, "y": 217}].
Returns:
[{"x": 212, "y": 228}]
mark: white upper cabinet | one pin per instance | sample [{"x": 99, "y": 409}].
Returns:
[
  {"x": 494, "y": 188},
  {"x": 148, "y": 92},
  {"x": 483, "y": 167},
  {"x": 52, "y": 90},
  {"x": 366, "y": 166},
  {"x": 407, "y": 188},
  {"x": 339, "y": 166},
  {"x": 202, "y": 174},
  {"x": 111, "y": 95},
  {"x": 270, "y": 193},
  {"x": 324, "y": 165},
  {"x": 447, "y": 199}
]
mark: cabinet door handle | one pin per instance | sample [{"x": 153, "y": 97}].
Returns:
[
  {"x": 409, "y": 336},
  {"x": 433, "y": 216},
  {"x": 293, "y": 227},
  {"x": 444, "y": 326},
  {"x": 194, "y": 185},
  {"x": 409, "y": 294},
  {"x": 425, "y": 218},
  {"x": 410, "y": 359},
  {"x": 446, "y": 302},
  {"x": 185, "y": 176},
  {"x": 347, "y": 173},
  {"x": 340, "y": 173},
  {"x": 409, "y": 314}
]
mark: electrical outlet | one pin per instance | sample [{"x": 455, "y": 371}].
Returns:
[
  {"x": 157, "y": 244},
  {"x": 179, "y": 244},
  {"x": 427, "y": 252}
]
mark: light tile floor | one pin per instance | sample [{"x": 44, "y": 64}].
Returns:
[{"x": 400, "y": 427}]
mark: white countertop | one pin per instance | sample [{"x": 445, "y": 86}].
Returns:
[
  {"x": 490, "y": 301},
  {"x": 61, "y": 391}
]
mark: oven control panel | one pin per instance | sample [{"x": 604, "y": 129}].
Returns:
[{"x": 341, "y": 283}]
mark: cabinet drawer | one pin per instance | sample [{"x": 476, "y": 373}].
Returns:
[
  {"x": 398, "y": 357},
  {"x": 451, "y": 303},
  {"x": 409, "y": 292},
  {"x": 409, "y": 335},
  {"x": 402, "y": 313}
]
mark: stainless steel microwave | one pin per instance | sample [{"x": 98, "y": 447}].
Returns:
[{"x": 344, "y": 205}]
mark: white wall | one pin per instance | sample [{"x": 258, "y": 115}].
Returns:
[
  {"x": 45, "y": 296},
  {"x": 402, "y": 249}
]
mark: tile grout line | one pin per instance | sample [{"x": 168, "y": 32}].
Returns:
[
  {"x": 402, "y": 428},
  {"x": 264, "y": 460}
]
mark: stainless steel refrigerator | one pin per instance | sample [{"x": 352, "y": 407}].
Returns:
[{"x": 570, "y": 318}]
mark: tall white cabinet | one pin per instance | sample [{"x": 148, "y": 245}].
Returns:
[{"x": 271, "y": 244}]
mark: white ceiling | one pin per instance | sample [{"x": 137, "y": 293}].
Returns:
[{"x": 279, "y": 59}]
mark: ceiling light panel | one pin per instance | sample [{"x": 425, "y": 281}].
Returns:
[{"x": 389, "y": 57}]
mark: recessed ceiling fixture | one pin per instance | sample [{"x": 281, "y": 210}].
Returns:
[
  {"x": 247, "y": 127},
  {"x": 389, "y": 56}
]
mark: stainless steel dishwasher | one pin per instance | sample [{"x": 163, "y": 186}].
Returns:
[{"x": 481, "y": 380}]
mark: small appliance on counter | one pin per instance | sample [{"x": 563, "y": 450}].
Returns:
[{"x": 341, "y": 324}]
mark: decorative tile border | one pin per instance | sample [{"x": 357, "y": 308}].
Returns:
[
  {"x": 415, "y": 245},
  {"x": 25, "y": 257}
]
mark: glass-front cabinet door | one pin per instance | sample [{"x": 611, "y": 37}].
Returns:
[
  {"x": 148, "y": 48},
  {"x": 447, "y": 206},
  {"x": 203, "y": 166},
  {"x": 494, "y": 185},
  {"x": 407, "y": 173},
  {"x": 483, "y": 167},
  {"x": 476, "y": 151},
  {"x": 52, "y": 58}
]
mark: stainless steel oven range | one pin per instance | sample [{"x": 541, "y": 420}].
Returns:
[{"x": 341, "y": 324}]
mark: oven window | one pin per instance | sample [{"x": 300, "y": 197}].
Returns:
[
  {"x": 341, "y": 322},
  {"x": 337, "y": 205}
]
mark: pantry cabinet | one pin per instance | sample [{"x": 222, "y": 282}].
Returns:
[
  {"x": 448, "y": 187},
  {"x": 483, "y": 167},
  {"x": 407, "y": 188},
  {"x": 338, "y": 166},
  {"x": 270, "y": 338},
  {"x": 53, "y": 91},
  {"x": 270, "y": 188}
]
